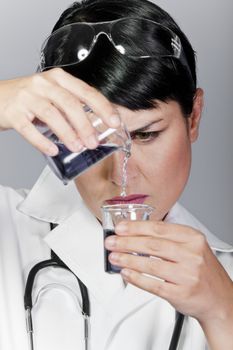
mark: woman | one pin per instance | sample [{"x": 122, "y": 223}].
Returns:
[{"x": 147, "y": 78}]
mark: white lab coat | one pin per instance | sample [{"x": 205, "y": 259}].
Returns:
[{"x": 122, "y": 317}]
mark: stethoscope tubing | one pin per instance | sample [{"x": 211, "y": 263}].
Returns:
[
  {"x": 55, "y": 261},
  {"x": 177, "y": 331}
]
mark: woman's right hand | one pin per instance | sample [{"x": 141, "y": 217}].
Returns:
[{"x": 56, "y": 99}]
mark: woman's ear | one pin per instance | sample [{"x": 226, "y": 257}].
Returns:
[{"x": 195, "y": 116}]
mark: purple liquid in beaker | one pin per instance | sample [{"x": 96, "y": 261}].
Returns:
[{"x": 108, "y": 267}]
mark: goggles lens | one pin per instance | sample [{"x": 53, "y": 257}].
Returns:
[{"x": 72, "y": 43}]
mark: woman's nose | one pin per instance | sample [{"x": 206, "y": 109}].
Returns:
[{"x": 119, "y": 160}]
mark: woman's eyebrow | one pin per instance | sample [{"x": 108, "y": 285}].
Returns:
[{"x": 147, "y": 126}]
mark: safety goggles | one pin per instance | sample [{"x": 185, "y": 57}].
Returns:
[{"x": 131, "y": 36}]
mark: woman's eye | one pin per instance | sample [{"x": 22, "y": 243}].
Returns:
[{"x": 143, "y": 136}]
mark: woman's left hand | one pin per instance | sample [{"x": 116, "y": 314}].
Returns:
[{"x": 179, "y": 266}]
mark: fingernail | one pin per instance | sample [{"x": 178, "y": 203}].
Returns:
[
  {"x": 114, "y": 256},
  {"x": 92, "y": 141},
  {"x": 110, "y": 242},
  {"x": 52, "y": 151},
  {"x": 115, "y": 120},
  {"x": 125, "y": 273},
  {"x": 121, "y": 227}
]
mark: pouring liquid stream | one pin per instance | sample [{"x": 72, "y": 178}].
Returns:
[{"x": 124, "y": 172}]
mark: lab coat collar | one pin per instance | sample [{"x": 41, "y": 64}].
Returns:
[
  {"x": 49, "y": 200},
  {"x": 179, "y": 215}
]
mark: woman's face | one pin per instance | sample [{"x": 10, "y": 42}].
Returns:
[{"x": 160, "y": 159}]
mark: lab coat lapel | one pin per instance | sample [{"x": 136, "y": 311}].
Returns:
[
  {"x": 179, "y": 215},
  {"x": 79, "y": 243},
  {"x": 49, "y": 200}
]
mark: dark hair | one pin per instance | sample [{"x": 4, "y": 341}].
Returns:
[{"x": 129, "y": 82}]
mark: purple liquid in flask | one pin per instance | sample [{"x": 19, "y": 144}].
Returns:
[{"x": 68, "y": 165}]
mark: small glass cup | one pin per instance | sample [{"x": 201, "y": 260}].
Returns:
[
  {"x": 112, "y": 215},
  {"x": 67, "y": 165}
]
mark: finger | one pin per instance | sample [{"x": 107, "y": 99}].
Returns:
[
  {"x": 100, "y": 105},
  {"x": 167, "y": 271},
  {"x": 149, "y": 245},
  {"x": 33, "y": 136},
  {"x": 56, "y": 122},
  {"x": 74, "y": 113},
  {"x": 175, "y": 232},
  {"x": 160, "y": 288}
]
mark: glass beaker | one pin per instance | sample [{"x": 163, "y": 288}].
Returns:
[
  {"x": 112, "y": 215},
  {"x": 67, "y": 165}
]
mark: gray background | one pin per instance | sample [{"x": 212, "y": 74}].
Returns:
[{"x": 208, "y": 24}]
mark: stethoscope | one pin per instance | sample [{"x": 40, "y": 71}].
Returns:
[{"x": 56, "y": 262}]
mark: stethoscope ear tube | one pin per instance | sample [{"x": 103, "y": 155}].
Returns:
[
  {"x": 30, "y": 280},
  {"x": 29, "y": 328},
  {"x": 55, "y": 262}
]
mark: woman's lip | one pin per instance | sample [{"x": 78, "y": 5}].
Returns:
[{"x": 133, "y": 198}]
